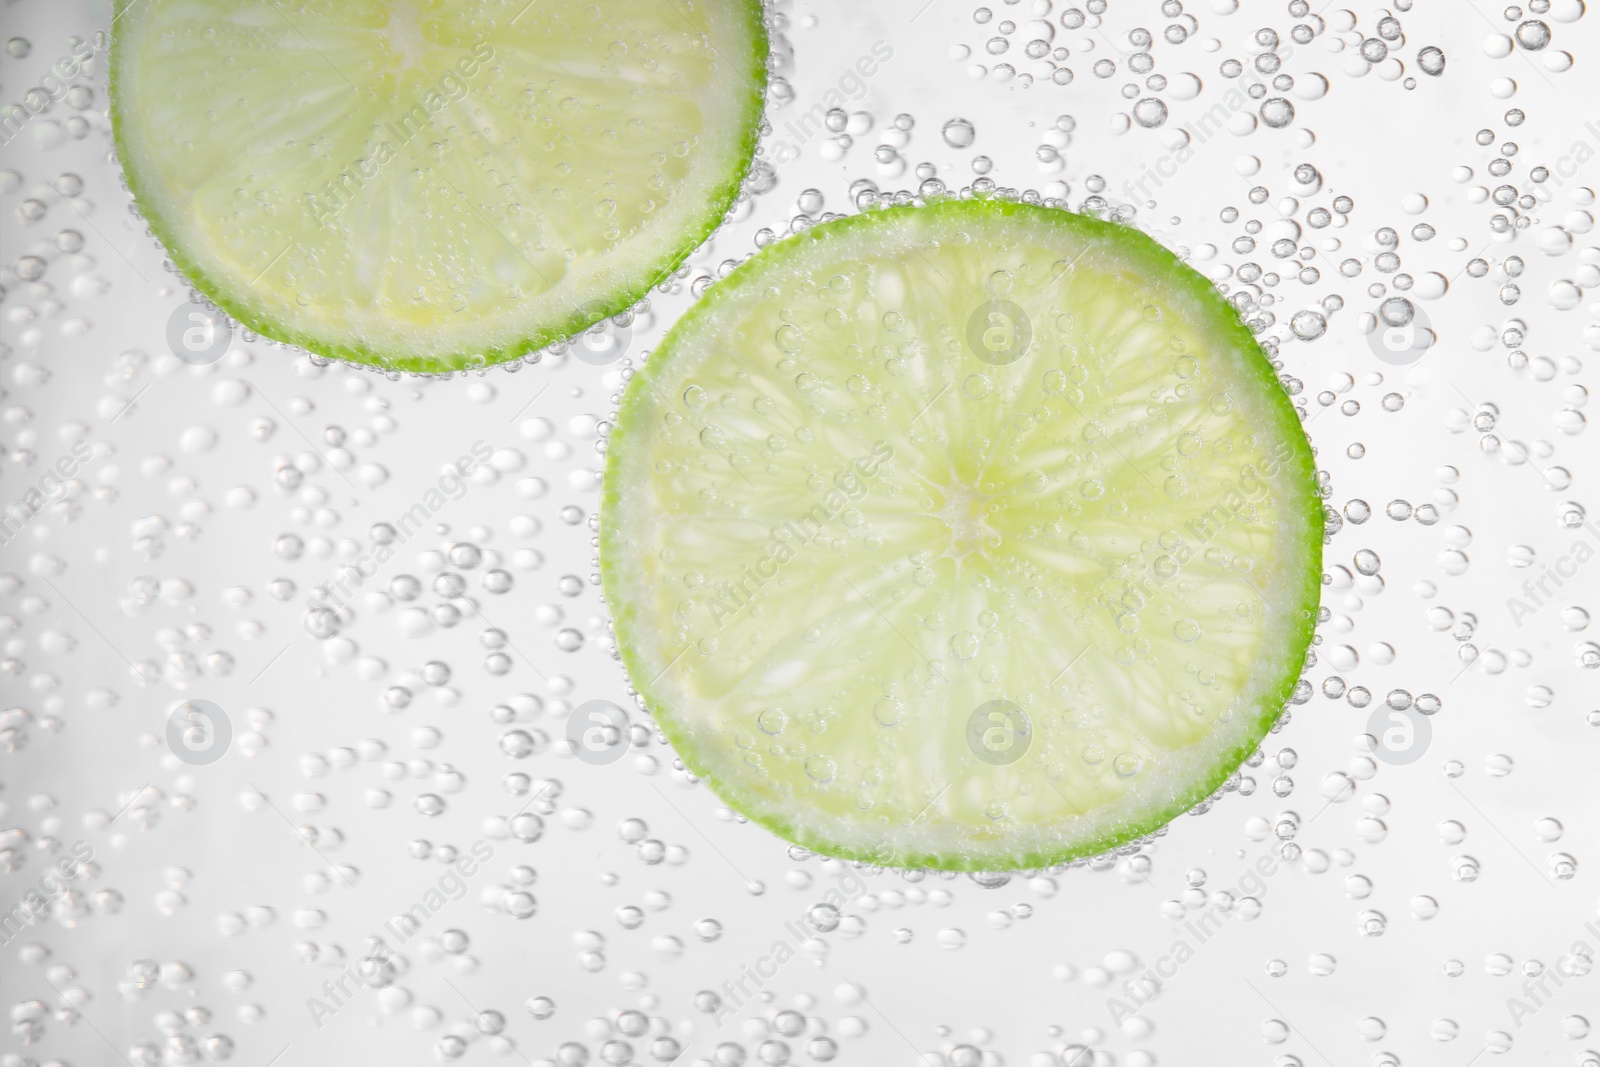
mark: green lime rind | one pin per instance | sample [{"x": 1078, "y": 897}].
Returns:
[
  {"x": 1300, "y": 525},
  {"x": 238, "y": 305}
]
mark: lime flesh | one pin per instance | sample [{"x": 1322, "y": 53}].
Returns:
[
  {"x": 433, "y": 184},
  {"x": 975, "y": 536}
]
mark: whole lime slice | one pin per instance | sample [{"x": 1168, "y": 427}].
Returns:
[
  {"x": 975, "y": 536},
  {"x": 433, "y": 184}
]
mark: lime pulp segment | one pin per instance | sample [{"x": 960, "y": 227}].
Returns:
[
  {"x": 434, "y": 184},
  {"x": 975, "y": 536}
]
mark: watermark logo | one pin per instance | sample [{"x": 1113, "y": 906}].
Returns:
[
  {"x": 597, "y": 730},
  {"x": 1401, "y": 334},
  {"x": 999, "y": 732},
  {"x": 197, "y": 334},
  {"x": 199, "y": 732},
  {"x": 1403, "y": 734},
  {"x": 999, "y": 332}
]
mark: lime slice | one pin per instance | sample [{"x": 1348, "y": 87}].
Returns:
[
  {"x": 433, "y": 184},
  {"x": 976, "y": 536}
]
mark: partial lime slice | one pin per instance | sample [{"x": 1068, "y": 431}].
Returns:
[
  {"x": 977, "y": 536},
  {"x": 433, "y": 184}
]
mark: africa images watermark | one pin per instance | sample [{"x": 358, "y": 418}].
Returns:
[
  {"x": 52, "y": 87},
  {"x": 372, "y": 970},
  {"x": 1569, "y": 166},
  {"x": 1168, "y": 564},
  {"x": 851, "y": 86},
  {"x": 753, "y": 978},
  {"x": 1560, "y": 572},
  {"x": 1200, "y": 130},
  {"x": 52, "y": 886},
  {"x": 789, "y": 538},
  {"x": 453, "y": 86},
  {"x": 1575, "y": 964},
  {"x": 52, "y": 487}
]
